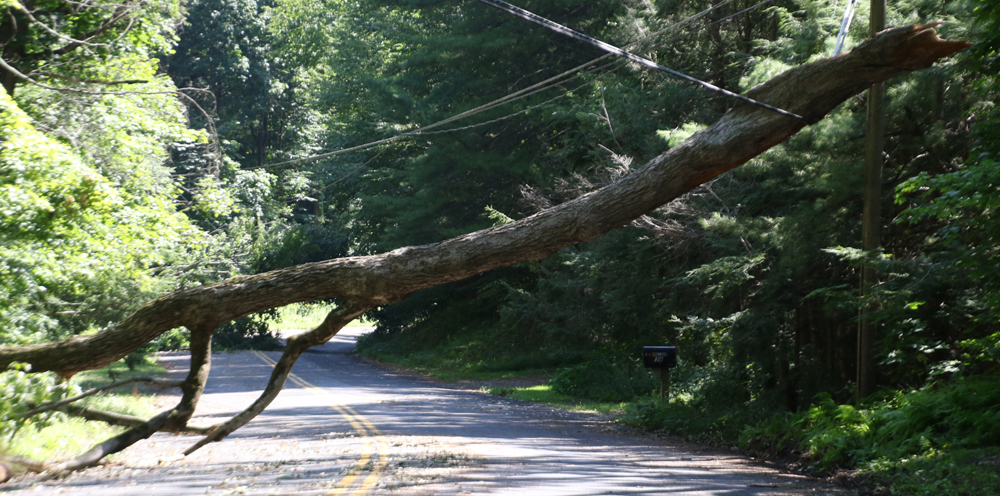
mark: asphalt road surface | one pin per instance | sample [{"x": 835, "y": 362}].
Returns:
[{"x": 346, "y": 426}]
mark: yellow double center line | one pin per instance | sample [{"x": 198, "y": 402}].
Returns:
[{"x": 366, "y": 431}]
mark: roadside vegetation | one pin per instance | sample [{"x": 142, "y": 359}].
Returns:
[
  {"x": 115, "y": 190},
  {"x": 56, "y": 435}
]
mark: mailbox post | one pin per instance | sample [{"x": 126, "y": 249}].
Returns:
[{"x": 663, "y": 358}]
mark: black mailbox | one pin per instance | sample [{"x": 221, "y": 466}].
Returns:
[{"x": 659, "y": 357}]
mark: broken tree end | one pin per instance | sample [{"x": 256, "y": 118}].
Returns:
[{"x": 914, "y": 47}]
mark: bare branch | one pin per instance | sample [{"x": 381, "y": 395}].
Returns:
[
  {"x": 173, "y": 420},
  {"x": 213, "y": 134},
  {"x": 31, "y": 465},
  {"x": 129, "y": 420},
  {"x": 113, "y": 445},
  {"x": 119, "y": 13},
  {"x": 54, "y": 405},
  {"x": 45, "y": 27}
]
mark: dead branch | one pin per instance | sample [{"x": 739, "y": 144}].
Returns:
[
  {"x": 123, "y": 420},
  {"x": 56, "y": 404},
  {"x": 173, "y": 420},
  {"x": 29, "y": 465},
  {"x": 113, "y": 445},
  {"x": 194, "y": 384},
  {"x": 744, "y": 132}
]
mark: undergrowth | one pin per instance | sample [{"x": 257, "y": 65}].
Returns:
[
  {"x": 56, "y": 435},
  {"x": 546, "y": 394},
  {"x": 961, "y": 414},
  {"x": 449, "y": 358}
]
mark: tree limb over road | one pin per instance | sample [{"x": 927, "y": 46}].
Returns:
[{"x": 360, "y": 283}]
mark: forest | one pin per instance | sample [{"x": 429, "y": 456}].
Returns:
[{"x": 154, "y": 147}]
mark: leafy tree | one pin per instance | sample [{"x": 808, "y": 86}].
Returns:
[
  {"x": 225, "y": 47},
  {"x": 77, "y": 242},
  {"x": 66, "y": 41}
]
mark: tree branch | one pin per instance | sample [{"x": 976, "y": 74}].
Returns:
[
  {"x": 113, "y": 445},
  {"x": 194, "y": 385},
  {"x": 120, "y": 12},
  {"x": 334, "y": 322},
  {"x": 92, "y": 81},
  {"x": 130, "y": 420},
  {"x": 54, "y": 405}
]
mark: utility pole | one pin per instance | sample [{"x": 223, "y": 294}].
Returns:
[{"x": 871, "y": 224}]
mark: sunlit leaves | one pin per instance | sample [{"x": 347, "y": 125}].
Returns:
[{"x": 70, "y": 233}]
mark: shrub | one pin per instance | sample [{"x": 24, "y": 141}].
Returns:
[
  {"x": 961, "y": 414},
  {"x": 602, "y": 379},
  {"x": 21, "y": 391}
]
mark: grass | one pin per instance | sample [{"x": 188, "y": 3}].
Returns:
[
  {"x": 544, "y": 394},
  {"x": 306, "y": 316},
  {"x": 70, "y": 436},
  {"x": 455, "y": 369}
]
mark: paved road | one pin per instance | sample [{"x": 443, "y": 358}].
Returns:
[{"x": 345, "y": 426}]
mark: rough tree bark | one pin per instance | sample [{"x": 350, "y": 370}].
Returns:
[{"x": 360, "y": 283}]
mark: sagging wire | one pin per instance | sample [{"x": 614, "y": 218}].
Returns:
[
  {"x": 560, "y": 78},
  {"x": 845, "y": 26},
  {"x": 559, "y": 28}
]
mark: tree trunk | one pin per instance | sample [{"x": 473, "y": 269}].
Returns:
[
  {"x": 13, "y": 28},
  {"x": 871, "y": 224},
  {"x": 744, "y": 132}
]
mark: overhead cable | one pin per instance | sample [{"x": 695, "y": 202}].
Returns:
[
  {"x": 559, "y": 28},
  {"x": 560, "y": 78},
  {"x": 845, "y": 26}
]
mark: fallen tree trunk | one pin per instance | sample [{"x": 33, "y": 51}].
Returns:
[
  {"x": 810, "y": 90},
  {"x": 360, "y": 283}
]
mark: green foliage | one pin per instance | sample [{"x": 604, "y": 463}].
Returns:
[
  {"x": 298, "y": 316},
  {"x": 22, "y": 392},
  {"x": 225, "y": 46},
  {"x": 958, "y": 471},
  {"x": 78, "y": 242},
  {"x": 50, "y": 43},
  {"x": 248, "y": 333},
  {"x": 602, "y": 379},
  {"x": 707, "y": 404},
  {"x": 960, "y": 414},
  {"x": 172, "y": 340}
]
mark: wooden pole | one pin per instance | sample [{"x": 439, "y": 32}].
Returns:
[
  {"x": 665, "y": 384},
  {"x": 872, "y": 217}
]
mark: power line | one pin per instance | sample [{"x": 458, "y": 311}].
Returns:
[
  {"x": 560, "y": 78},
  {"x": 559, "y": 28},
  {"x": 508, "y": 116}
]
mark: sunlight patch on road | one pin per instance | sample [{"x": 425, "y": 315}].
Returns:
[{"x": 370, "y": 461}]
